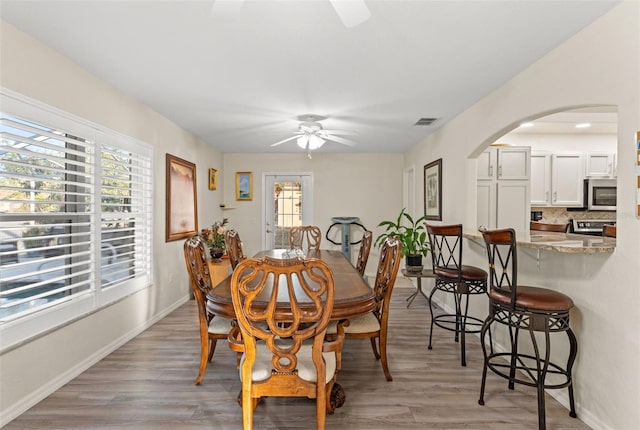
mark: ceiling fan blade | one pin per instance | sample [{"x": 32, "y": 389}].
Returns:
[
  {"x": 284, "y": 140},
  {"x": 340, "y": 132},
  {"x": 226, "y": 10},
  {"x": 351, "y": 12},
  {"x": 341, "y": 140}
]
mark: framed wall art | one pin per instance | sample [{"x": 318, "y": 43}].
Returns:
[
  {"x": 244, "y": 186},
  {"x": 181, "y": 199},
  {"x": 433, "y": 190},
  {"x": 213, "y": 179}
]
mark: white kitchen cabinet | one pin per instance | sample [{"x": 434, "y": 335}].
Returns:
[
  {"x": 504, "y": 163},
  {"x": 513, "y": 163},
  {"x": 486, "y": 165},
  {"x": 557, "y": 179},
  {"x": 486, "y": 204},
  {"x": 503, "y": 184},
  {"x": 540, "y": 178},
  {"x": 513, "y": 209},
  {"x": 567, "y": 179},
  {"x": 600, "y": 165}
]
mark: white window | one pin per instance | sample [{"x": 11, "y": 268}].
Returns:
[{"x": 75, "y": 227}]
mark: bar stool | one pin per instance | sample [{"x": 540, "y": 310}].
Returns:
[
  {"x": 609, "y": 230},
  {"x": 534, "y": 309},
  {"x": 455, "y": 278},
  {"x": 540, "y": 226}
]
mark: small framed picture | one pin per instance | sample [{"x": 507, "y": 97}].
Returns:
[
  {"x": 244, "y": 186},
  {"x": 433, "y": 190},
  {"x": 213, "y": 179}
]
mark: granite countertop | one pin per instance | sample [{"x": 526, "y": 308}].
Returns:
[{"x": 559, "y": 242}]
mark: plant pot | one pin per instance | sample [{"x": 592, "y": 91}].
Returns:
[
  {"x": 414, "y": 263},
  {"x": 216, "y": 253}
]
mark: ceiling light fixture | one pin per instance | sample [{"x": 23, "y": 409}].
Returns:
[
  {"x": 583, "y": 125},
  {"x": 310, "y": 139}
]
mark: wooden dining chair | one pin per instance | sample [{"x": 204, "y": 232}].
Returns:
[
  {"x": 233, "y": 245},
  {"x": 556, "y": 228},
  {"x": 374, "y": 325},
  {"x": 308, "y": 236},
  {"x": 285, "y": 353},
  {"x": 212, "y": 328},
  {"x": 609, "y": 230},
  {"x": 363, "y": 254}
]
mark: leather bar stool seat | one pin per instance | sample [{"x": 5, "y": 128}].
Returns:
[{"x": 534, "y": 299}]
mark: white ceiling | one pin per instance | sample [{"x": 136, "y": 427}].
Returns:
[
  {"x": 600, "y": 120},
  {"x": 240, "y": 84}
]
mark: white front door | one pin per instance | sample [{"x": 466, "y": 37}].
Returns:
[{"x": 288, "y": 203}]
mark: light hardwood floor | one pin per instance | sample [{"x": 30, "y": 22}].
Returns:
[{"x": 148, "y": 384}]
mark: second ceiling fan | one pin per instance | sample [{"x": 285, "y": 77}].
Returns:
[{"x": 350, "y": 12}]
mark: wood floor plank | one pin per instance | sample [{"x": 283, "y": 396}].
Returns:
[{"x": 148, "y": 384}]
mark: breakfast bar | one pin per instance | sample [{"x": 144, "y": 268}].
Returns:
[{"x": 558, "y": 242}]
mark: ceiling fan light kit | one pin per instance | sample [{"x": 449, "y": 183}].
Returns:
[
  {"x": 311, "y": 135},
  {"x": 310, "y": 141}
]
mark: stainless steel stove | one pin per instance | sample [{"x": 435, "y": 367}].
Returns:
[{"x": 590, "y": 226}]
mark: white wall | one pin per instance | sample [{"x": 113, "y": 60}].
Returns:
[
  {"x": 367, "y": 186},
  {"x": 599, "y": 65},
  {"x": 30, "y": 372}
]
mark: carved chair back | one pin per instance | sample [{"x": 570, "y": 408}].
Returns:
[
  {"x": 234, "y": 247},
  {"x": 276, "y": 339},
  {"x": 363, "y": 254},
  {"x": 308, "y": 235},
  {"x": 390, "y": 257}
]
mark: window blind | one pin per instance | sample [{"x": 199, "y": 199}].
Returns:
[{"x": 76, "y": 217}]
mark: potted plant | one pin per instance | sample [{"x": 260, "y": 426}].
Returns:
[
  {"x": 413, "y": 236},
  {"x": 214, "y": 238}
]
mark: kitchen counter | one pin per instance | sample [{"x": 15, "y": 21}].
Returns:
[{"x": 559, "y": 242}]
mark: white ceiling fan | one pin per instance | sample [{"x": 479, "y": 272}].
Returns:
[
  {"x": 350, "y": 12},
  {"x": 311, "y": 135}
]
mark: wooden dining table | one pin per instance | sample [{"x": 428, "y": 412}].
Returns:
[{"x": 353, "y": 297}]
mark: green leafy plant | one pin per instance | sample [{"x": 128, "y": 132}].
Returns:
[{"x": 412, "y": 234}]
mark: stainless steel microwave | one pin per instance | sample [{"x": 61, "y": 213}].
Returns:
[{"x": 601, "y": 195}]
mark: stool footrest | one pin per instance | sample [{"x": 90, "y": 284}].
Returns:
[
  {"x": 448, "y": 322},
  {"x": 499, "y": 363}
]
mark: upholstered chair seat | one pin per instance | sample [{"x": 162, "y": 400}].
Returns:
[
  {"x": 306, "y": 369},
  {"x": 363, "y": 324}
]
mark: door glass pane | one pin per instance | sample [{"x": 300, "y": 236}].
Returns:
[{"x": 287, "y": 198}]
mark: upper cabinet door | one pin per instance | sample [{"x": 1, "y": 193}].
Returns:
[
  {"x": 514, "y": 163},
  {"x": 540, "y": 178},
  {"x": 486, "y": 165},
  {"x": 600, "y": 165},
  {"x": 567, "y": 179}
]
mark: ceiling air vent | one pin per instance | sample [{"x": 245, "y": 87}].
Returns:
[{"x": 426, "y": 121}]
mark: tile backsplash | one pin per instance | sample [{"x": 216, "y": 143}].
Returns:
[{"x": 553, "y": 215}]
